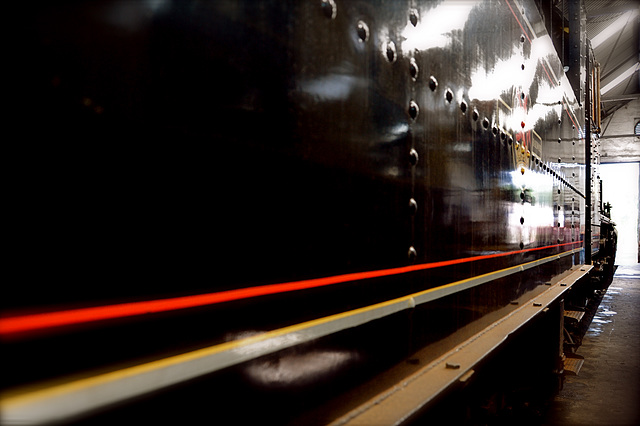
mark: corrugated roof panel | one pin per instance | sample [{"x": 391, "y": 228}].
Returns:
[{"x": 617, "y": 53}]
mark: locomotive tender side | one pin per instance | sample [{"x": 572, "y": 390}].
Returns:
[{"x": 296, "y": 203}]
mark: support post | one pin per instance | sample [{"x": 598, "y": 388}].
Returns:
[{"x": 587, "y": 160}]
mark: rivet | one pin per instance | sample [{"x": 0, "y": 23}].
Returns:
[
  {"x": 413, "y": 17},
  {"x": 412, "y": 253},
  {"x": 522, "y": 124},
  {"x": 390, "y": 50},
  {"x": 329, "y": 9},
  {"x": 521, "y": 245},
  {"x": 413, "y": 69},
  {"x": 413, "y": 206},
  {"x": 448, "y": 95},
  {"x": 363, "y": 31},
  {"x": 522, "y": 170},
  {"x": 522, "y": 38},
  {"x": 559, "y": 140},
  {"x": 510, "y": 140},
  {"x": 503, "y": 136},
  {"x": 522, "y": 67},
  {"x": 463, "y": 107},
  {"x": 494, "y": 131},
  {"x": 559, "y": 160},
  {"x": 522, "y": 198},
  {"x": 413, "y": 110},
  {"x": 522, "y": 96},
  {"x": 475, "y": 115},
  {"x": 433, "y": 83},
  {"x": 485, "y": 123},
  {"x": 413, "y": 157},
  {"x": 521, "y": 220}
]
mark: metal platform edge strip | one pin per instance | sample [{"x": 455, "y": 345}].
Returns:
[
  {"x": 75, "y": 398},
  {"x": 400, "y": 402}
]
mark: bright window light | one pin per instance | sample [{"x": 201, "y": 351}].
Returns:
[{"x": 620, "y": 188}]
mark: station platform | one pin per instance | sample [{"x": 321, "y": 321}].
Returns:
[{"x": 606, "y": 390}]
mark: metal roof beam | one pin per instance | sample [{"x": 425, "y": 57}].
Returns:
[
  {"x": 613, "y": 28},
  {"x": 631, "y": 57},
  {"x": 624, "y": 98},
  {"x": 620, "y": 78},
  {"x": 609, "y": 10}
]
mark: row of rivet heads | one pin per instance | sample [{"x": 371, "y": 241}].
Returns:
[
  {"x": 330, "y": 10},
  {"x": 413, "y": 113},
  {"x": 389, "y": 50}
]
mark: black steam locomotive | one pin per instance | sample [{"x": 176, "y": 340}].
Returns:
[{"x": 294, "y": 211}]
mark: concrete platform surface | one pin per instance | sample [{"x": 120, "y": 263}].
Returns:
[{"x": 607, "y": 389}]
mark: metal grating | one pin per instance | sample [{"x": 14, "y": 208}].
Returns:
[
  {"x": 572, "y": 366},
  {"x": 576, "y": 315}
]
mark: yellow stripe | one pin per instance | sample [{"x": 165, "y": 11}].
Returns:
[
  {"x": 82, "y": 384},
  {"x": 504, "y": 103},
  {"x": 537, "y": 135}
]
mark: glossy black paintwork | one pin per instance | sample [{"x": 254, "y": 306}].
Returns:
[
  {"x": 188, "y": 147},
  {"x": 270, "y": 143}
]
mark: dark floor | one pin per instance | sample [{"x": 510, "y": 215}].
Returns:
[{"x": 607, "y": 389}]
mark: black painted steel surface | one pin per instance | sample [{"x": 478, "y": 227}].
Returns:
[{"x": 185, "y": 147}]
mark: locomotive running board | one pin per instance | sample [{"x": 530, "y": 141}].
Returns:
[
  {"x": 406, "y": 398},
  {"x": 80, "y": 397}
]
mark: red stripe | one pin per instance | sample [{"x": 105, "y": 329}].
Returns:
[
  {"x": 517, "y": 20},
  {"x": 27, "y": 323},
  {"x": 578, "y": 129},
  {"x": 553, "y": 82}
]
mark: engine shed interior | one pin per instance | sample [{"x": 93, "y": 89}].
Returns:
[{"x": 324, "y": 212}]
